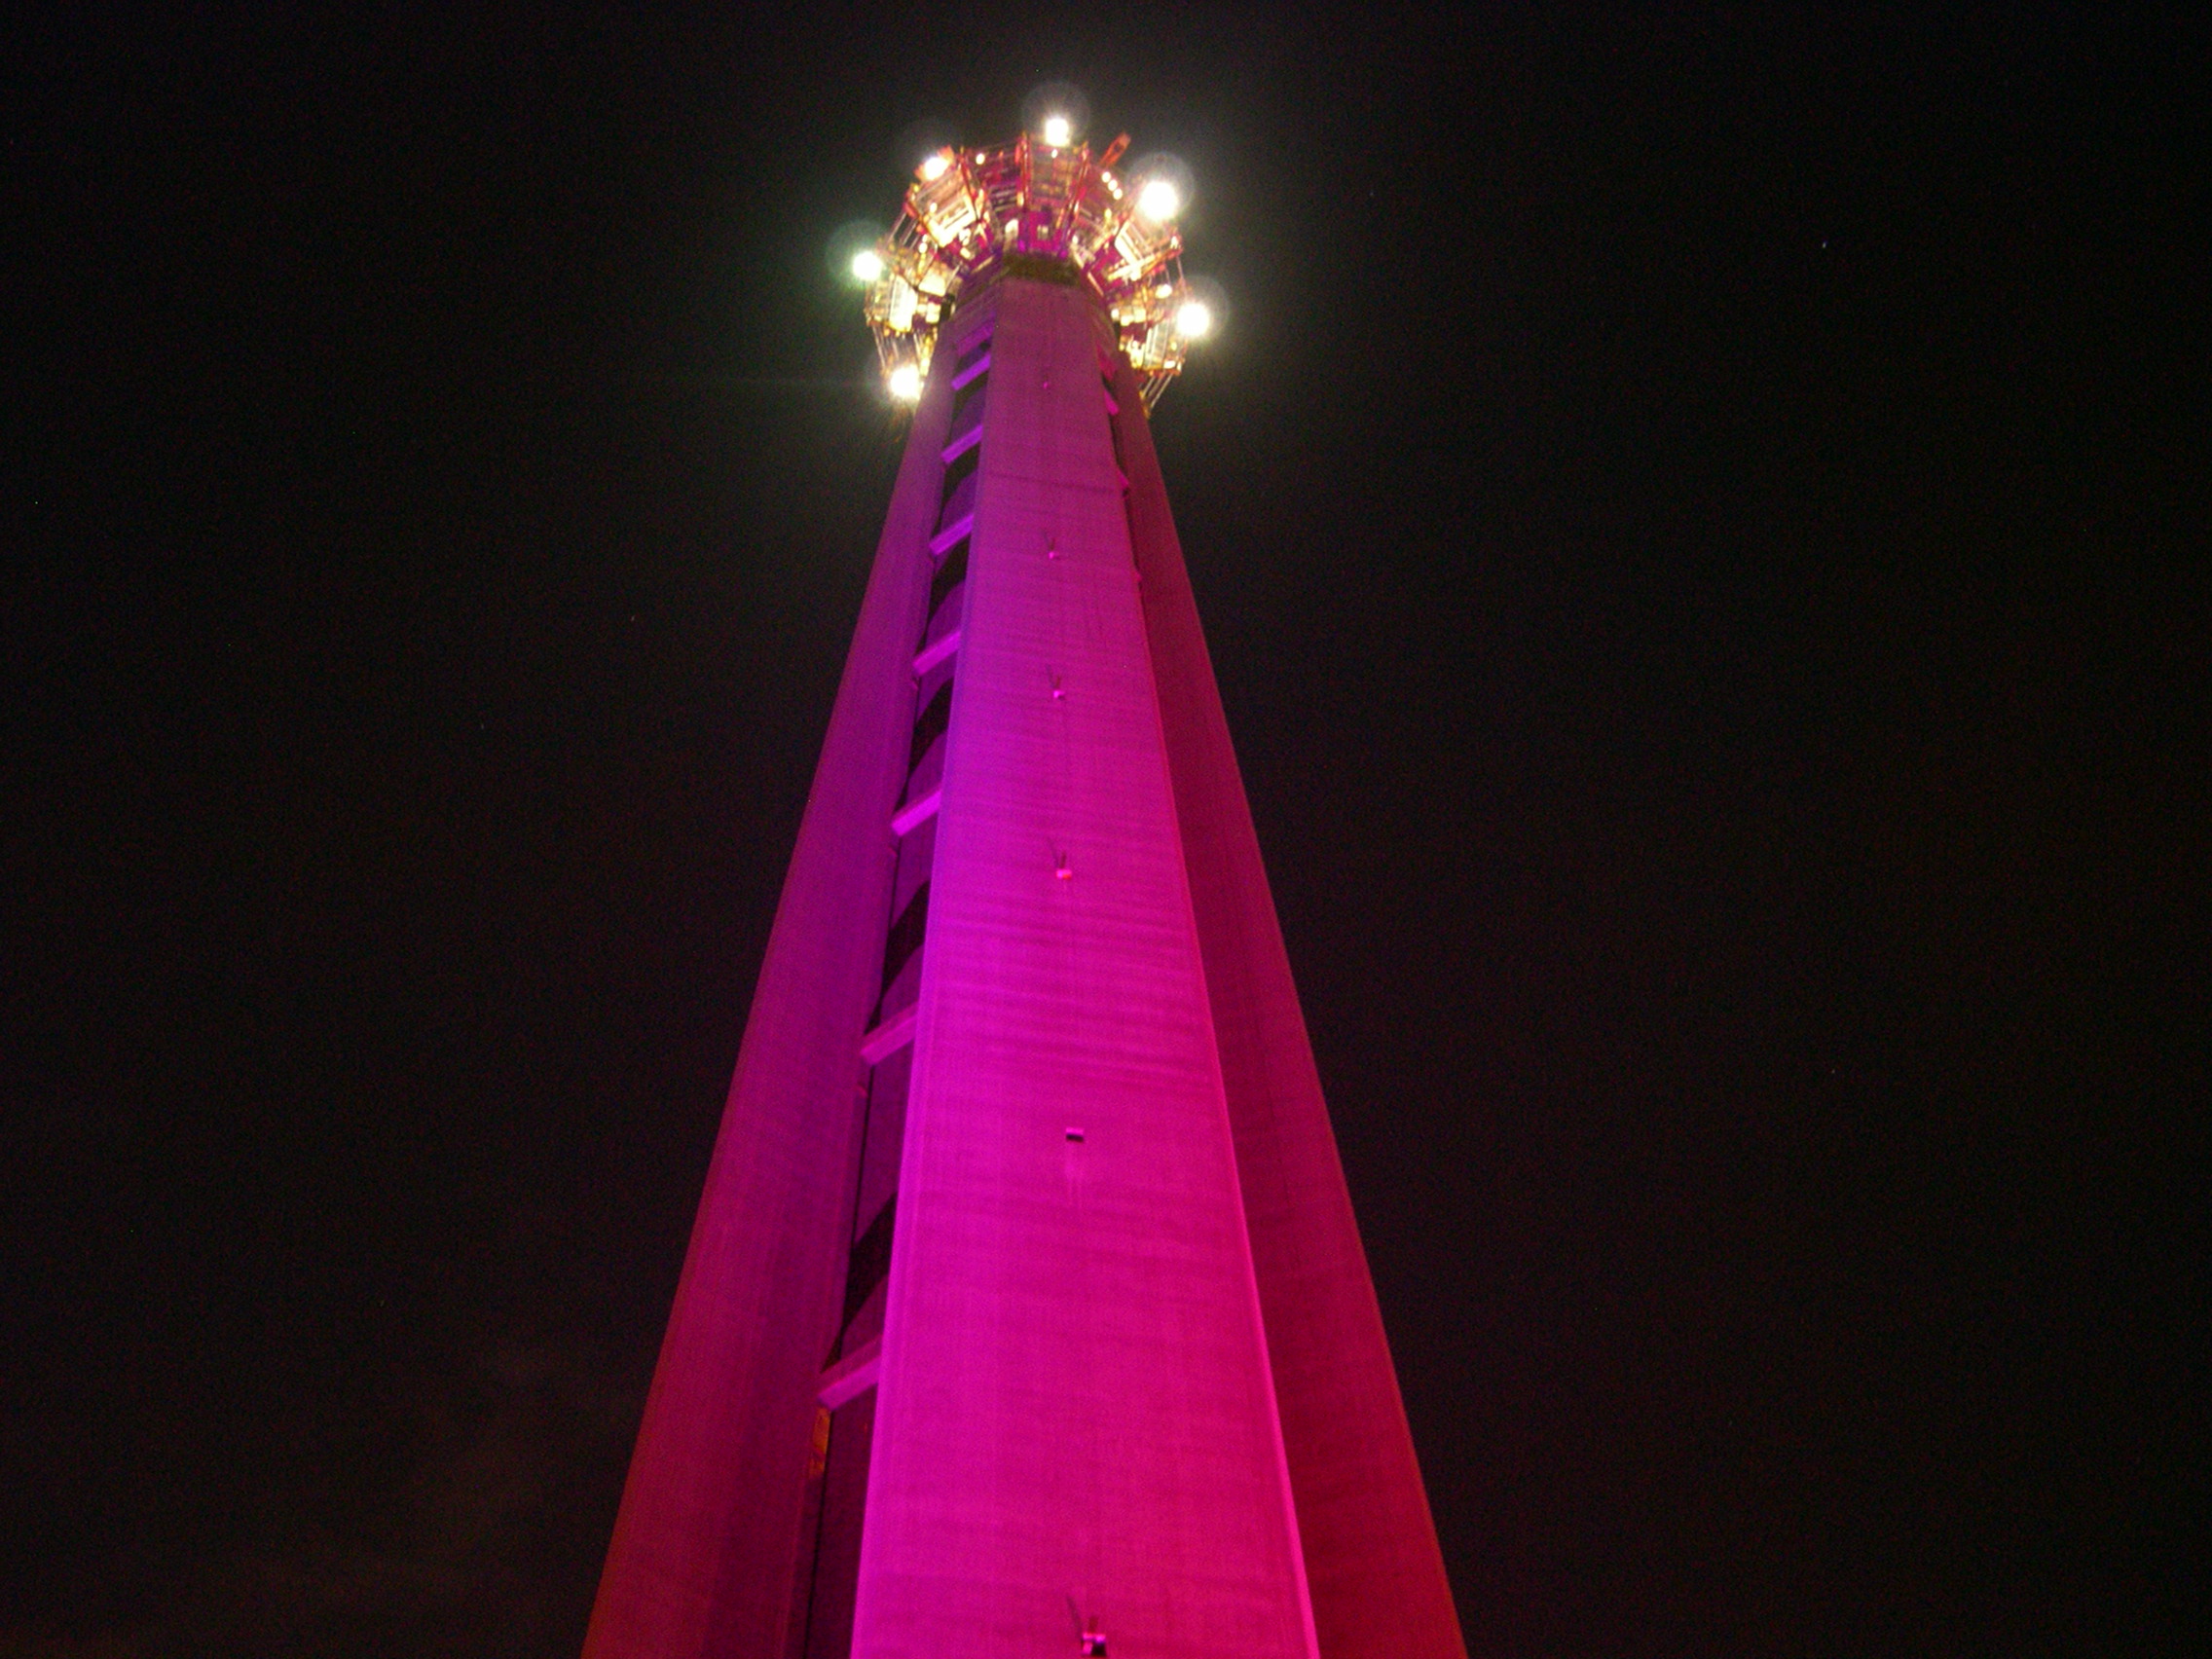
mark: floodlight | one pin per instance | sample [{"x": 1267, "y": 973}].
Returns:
[
  {"x": 906, "y": 383},
  {"x": 867, "y": 265},
  {"x": 1159, "y": 199}
]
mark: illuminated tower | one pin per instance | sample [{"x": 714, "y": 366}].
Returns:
[{"x": 1025, "y": 1313}]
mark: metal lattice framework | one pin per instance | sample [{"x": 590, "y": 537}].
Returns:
[{"x": 1051, "y": 209}]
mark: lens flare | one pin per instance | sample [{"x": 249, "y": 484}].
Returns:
[
  {"x": 867, "y": 265},
  {"x": 1159, "y": 199},
  {"x": 1194, "y": 321},
  {"x": 1058, "y": 132},
  {"x": 906, "y": 383}
]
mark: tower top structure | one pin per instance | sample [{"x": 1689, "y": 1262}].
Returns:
[{"x": 1040, "y": 207}]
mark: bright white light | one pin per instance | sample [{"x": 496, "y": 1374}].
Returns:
[
  {"x": 933, "y": 169},
  {"x": 1058, "y": 132},
  {"x": 867, "y": 265},
  {"x": 1194, "y": 321},
  {"x": 1159, "y": 199},
  {"x": 906, "y": 383}
]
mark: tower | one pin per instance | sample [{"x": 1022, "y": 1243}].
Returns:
[{"x": 1026, "y": 1312}]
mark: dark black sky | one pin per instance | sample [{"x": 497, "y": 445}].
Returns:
[{"x": 1702, "y": 529}]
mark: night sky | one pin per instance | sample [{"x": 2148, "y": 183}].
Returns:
[{"x": 1702, "y": 529}]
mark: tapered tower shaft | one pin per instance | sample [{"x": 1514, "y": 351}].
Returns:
[{"x": 1025, "y": 1313}]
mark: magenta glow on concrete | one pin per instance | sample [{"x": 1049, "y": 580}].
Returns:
[
  {"x": 706, "y": 1542},
  {"x": 1375, "y": 1574},
  {"x": 1027, "y": 1309},
  {"x": 1075, "y": 1397}
]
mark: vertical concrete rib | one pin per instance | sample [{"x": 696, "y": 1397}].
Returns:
[
  {"x": 1376, "y": 1575},
  {"x": 706, "y": 1542},
  {"x": 1074, "y": 1416}
]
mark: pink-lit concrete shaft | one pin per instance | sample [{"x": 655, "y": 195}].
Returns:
[
  {"x": 1375, "y": 1574},
  {"x": 1127, "y": 1381},
  {"x": 1075, "y": 1402}
]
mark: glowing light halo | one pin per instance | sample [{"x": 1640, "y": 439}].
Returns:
[
  {"x": 905, "y": 383},
  {"x": 1058, "y": 132},
  {"x": 1159, "y": 199},
  {"x": 1195, "y": 318},
  {"x": 867, "y": 265}
]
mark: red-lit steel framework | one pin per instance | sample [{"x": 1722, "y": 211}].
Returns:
[{"x": 968, "y": 212}]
